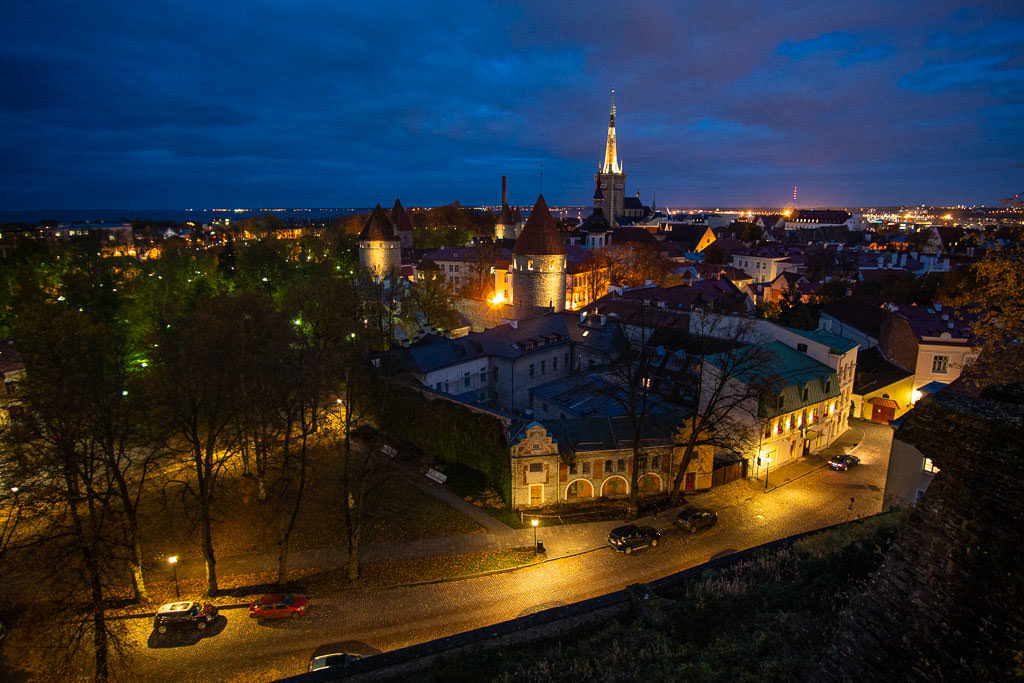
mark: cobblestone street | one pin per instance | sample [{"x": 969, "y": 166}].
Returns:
[{"x": 801, "y": 496}]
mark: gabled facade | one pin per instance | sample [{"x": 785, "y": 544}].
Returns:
[
  {"x": 560, "y": 461},
  {"x": 932, "y": 342}
]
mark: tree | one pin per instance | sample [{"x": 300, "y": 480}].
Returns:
[
  {"x": 629, "y": 371},
  {"x": 196, "y": 377},
  {"x": 728, "y": 378},
  {"x": 993, "y": 301},
  {"x": 61, "y": 441},
  {"x": 326, "y": 314},
  {"x": 434, "y": 298}
]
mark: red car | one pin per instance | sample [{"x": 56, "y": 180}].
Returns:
[{"x": 279, "y": 605}]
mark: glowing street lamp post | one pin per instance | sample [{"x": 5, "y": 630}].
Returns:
[
  {"x": 534, "y": 522},
  {"x": 173, "y": 559}
]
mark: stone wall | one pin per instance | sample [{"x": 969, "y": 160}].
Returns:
[
  {"x": 541, "y": 287},
  {"x": 948, "y": 602}
]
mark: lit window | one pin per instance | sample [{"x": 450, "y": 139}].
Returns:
[
  {"x": 940, "y": 364},
  {"x": 929, "y": 466}
]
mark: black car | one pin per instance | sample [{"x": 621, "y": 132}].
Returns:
[
  {"x": 694, "y": 519},
  {"x": 184, "y": 615},
  {"x": 843, "y": 462},
  {"x": 630, "y": 537}
]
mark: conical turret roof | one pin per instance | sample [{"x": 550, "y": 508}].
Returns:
[
  {"x": 540, "y": 236},
  {"x": 506, "y": 217},
  {"x": 378, "y": 227},
  {"x": 400, "y": 217}
]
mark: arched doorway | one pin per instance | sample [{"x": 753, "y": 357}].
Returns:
[
  {"x": 615, "y": 486},
  {"x": 581, "y": 488},
  {"x": 649, "y": 483}
]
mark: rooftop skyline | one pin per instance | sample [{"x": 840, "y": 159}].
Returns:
[{"x": 314, "y": 104}]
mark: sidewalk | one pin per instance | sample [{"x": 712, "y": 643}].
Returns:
[{"x": 559, "y": 540}]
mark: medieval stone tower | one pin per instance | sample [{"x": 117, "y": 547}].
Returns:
[
  {"x": 509, "y": 224},
  {"x": 611, "y": 179},
  {"x": 380, "y": 250},
  {"x": 538, "y": 265},
  {"x": 403, "y": 225}
]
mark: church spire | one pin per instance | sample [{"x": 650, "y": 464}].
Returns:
[{"x": 611, "y": 160}]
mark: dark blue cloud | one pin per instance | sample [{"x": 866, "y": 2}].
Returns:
[{"x": 335, "y": 104}]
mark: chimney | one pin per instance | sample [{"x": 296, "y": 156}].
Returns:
[{"x": 504, "y": 190}]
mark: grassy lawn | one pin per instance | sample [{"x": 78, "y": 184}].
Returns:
[{"x": 244, "y": 524}]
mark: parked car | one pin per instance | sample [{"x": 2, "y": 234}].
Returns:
[
  {"x": 630, "y": 537},
  {"x": 694, "y": 519},
  {"x": 843, "y": 462},
  {"x": 334, "y": 660},
  {"x": 279, "y": 605},
  {"x": 197, "y": 615}
]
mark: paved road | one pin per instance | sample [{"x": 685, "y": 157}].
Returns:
[{"x": 801, "y": 497}]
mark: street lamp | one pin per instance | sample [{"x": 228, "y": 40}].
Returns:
[
  {"x": 534, "y": 522},
  {"x": 173, "y": 559}
]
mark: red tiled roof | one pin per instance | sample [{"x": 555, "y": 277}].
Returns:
[
  {"x": 400, "y": 217},
  {"x": 540, "y": 236},
  {"x": 378, "y": 227}
]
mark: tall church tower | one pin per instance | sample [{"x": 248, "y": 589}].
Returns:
[
  {"x": 538, "y": 265},
  {"x": 380, "y": 250},
  {"x": 611, "y": 180}
]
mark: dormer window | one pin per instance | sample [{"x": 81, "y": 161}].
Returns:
[
  {"x": 806, "y": 394},
  {"x": 828, "y": 386},
  {"x": 802, "y": 348},
  {"x": 781, "y": 402}
]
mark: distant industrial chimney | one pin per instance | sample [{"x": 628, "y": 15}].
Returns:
[{"x": 504, "y": 190}]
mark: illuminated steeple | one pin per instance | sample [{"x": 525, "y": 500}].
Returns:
[
  {"x": 610, "y": 178},
  {"x": 611, "y": 160}
]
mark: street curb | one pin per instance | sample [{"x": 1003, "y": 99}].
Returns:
[{"x": 492, "y": 572}]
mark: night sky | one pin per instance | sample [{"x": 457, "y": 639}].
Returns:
[{"x": 343, "y": 104}]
